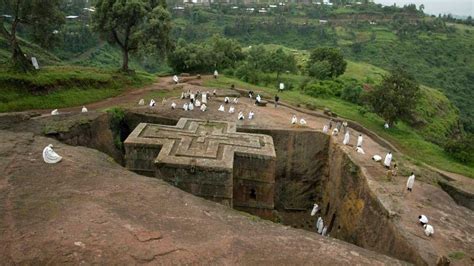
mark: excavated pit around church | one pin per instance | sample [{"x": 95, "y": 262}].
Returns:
[{"x": 309, "y": 169}]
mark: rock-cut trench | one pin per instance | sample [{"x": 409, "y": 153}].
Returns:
[{"x": 309, "y": 169}]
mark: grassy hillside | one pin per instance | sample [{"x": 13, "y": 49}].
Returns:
[
  {"x": 63, "y": 86},
  {"x": 44, "y": 57},
  {"x": 435, "y": 117}
]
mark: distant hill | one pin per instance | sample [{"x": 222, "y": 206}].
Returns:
[{"x": 437, "y": 53}]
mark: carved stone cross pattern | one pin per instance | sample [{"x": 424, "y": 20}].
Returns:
[{"x": 205, "y": 158}]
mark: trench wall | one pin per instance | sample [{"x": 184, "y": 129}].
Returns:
[
  {"x": 300, "y": 166},
  {"x": 354, "y": 214}
]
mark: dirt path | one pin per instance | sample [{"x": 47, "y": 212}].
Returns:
[{"x": 130, "y": 98}]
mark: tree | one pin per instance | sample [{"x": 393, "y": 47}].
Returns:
[
  {"x": 421, "y": 8},
  {"x": 216, "y": 53},
  {"x": 320, "y": 70},
  {"x": 133, "y": 25},
  {"x": 395, "y": 98},
  {"x": 279, "y": 62},
  {"x": 41, "y": 16},
  {"x": 333, "y": 56}
]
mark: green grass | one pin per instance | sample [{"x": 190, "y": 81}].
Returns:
[
  {"x": 457, "y": 255},
  {"x": 402, "y": 136},
  {"x": 57, "y": 87}
]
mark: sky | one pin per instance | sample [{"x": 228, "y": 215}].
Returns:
[{"x": 455, "y": 7}]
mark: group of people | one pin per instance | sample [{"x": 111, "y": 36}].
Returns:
[
  {"x": 294, "y": 120},
  {"x": 231, "y": 110},
  {"x": 56, "y": 111},
  {"x": 320, "y": 227},
  {"x": 387, "y": 162},
  {"x": 202, "y": 104}
]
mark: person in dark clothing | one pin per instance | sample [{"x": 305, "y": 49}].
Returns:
[{"x": 276, "y": 100}]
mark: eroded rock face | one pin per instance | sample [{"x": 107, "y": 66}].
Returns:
[
  {"x": 87, "y": 209},
  {"x": 354, "y": 214}
]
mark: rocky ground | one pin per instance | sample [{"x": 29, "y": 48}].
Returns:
[{"x": 89, "y": 209}]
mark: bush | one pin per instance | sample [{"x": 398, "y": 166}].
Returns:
[
  {"x": 352, "y": 94},
  {"x": 319, "y": 90},
  {"x": 461, "y": 149},
  {"x": 320, "y": 70}
]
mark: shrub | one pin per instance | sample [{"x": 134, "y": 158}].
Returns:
[
  {"x": 352, "y": 94},
  {"x": 461, "y": 149}
]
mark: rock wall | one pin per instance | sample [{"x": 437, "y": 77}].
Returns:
[
  {"x": 94, "y": 133},
  {"x": 354, "y": 214},
  {"x": 460, "y": 196},
  {"x": 301, "y": 165}
]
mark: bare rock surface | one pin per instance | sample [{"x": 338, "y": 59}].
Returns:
[{"x": 87, "y": 209}]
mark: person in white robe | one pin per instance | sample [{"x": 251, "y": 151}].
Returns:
[
  {"x": 251, "y": 115},
  {"x": 185, "y": 107},
  {"x": 335, "y": 132},
  {"x": 386, "y": 126},
  {"x": 315, "y": 209},
  {"x": 55, "y": 112},
  {"x": 359, "y": 140},
  {"x": 429, "y": 230},
  {"x": 216, "y": 74},
  {"x": 183, "y": 95},
  {"x": 360, "y": 150},
  {"x": 231, "y": 110},
  {"x": 344, "y": 126},
  {"x": 141, "y": 102},
  {"x": 175, "y": 79},
  {"x": 192, "y": 96},
  {"x": 320, "y": 225},
  {"x": 214, "y": 93},
  {"x": 294, "y": 119},
  {"x": 221, "y": 108},
  {"x": 173, "y": 105},
  {"x": 235, "y": 101},
  {"x": 241, "y": 116},
  {"x": 346, "y": 138},
  {"x": 226, "y": 100},
  {"x": 50, "y": 156},
  {"x": 302, "y": 122},
  {"x": 282, "y": 86},
  {"x": 191, "y": 106},
  {"x": 204, "y": 98},
  {"x": 388, "y": 160},
  {"x": 198, "y": 103},
  {"x": 377, "y": 158},
  {"x": 325, "y": 129},
  {"x": 84, "y": 109},
  {"x": 203, "y": 107},
  {"x": 258, "y": 98},
  {"x": 152, "y": 103},
  {"x": 410, "y": 182},
  {"x": 423, "y": 219},
  {"x": 325, "y": 231}
]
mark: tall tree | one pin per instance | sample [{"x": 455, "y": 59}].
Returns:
[
  {"x": 279, "y": 62},
  {"x": 332, "y": 56},
  {"x": 134, "y": 25},
  {"x": 395, "y": 98},
  {"x": 39, "y": 15}
]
